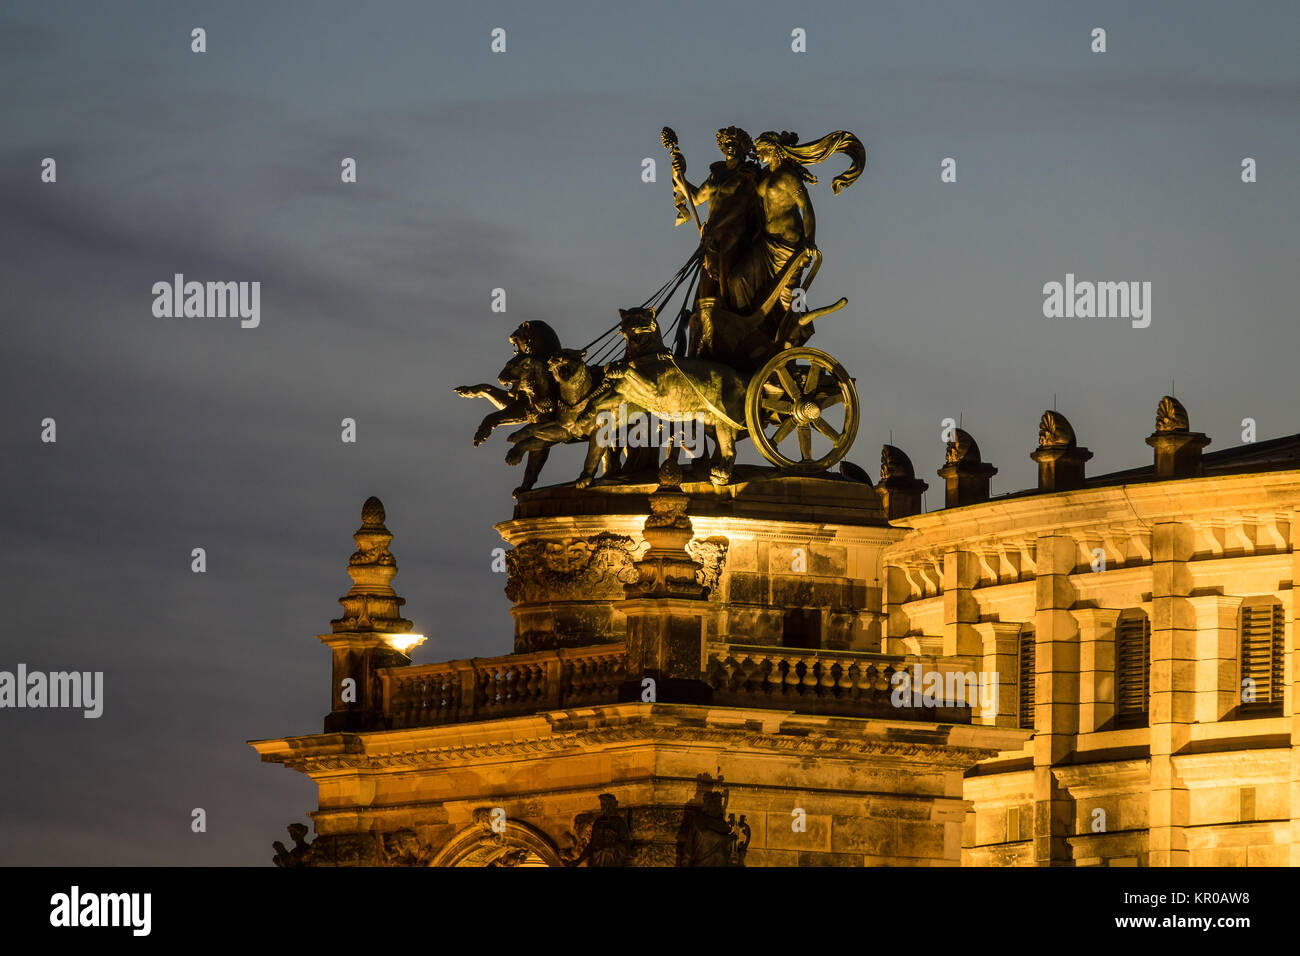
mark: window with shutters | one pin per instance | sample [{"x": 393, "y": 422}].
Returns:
[
  {"x": 1028, "y": 676},
  {"x": 1263, "y": 632},
  {"x": 1132, "y": 669}
]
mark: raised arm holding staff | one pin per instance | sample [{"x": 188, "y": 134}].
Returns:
[{"x": 681, "y": 194}]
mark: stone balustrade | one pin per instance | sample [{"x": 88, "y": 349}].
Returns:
[
  {"x": 806, "y": 681},
  {"x": 483, "y": 688},
  {"x": 818, "y": 681}
]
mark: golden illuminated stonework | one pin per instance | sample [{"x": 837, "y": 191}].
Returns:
[{"x": 723, "y": 664}]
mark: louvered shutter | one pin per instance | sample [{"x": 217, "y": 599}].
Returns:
[
  {"x": 1028, "y": 678},
  {"x": 1132, "y": 669},
  {"x": 1262, "y": 635}
]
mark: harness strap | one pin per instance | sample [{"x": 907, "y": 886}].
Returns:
[{"x": 719, "y": 413}]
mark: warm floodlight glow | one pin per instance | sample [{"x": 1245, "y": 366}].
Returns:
[{"x": 403, "y": 642}]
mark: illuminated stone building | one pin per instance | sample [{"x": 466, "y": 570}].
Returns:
[
  {"x": 716, "y": 676},
  {"x": 1148, "y": 618}
]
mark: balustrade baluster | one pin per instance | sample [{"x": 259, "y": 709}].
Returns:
[
  {"x": 845, "y": 681},
  {"x": 749, "y": 674},
  {"x": 826, "y": 681},
  {"x": 883, "y": 673},
  {"x": 792, "y": 676}
]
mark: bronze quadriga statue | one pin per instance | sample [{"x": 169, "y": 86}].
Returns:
[{"x": 740, "y": 366}]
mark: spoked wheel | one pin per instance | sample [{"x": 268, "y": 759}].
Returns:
[{"x": 805, "y": 395}]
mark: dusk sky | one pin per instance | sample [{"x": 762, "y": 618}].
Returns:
[{"x": 522, "y": 170}]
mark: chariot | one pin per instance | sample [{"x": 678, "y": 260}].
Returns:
[
  {"x": 739, "y": 365},
  {"x": 801, "y": 406}
]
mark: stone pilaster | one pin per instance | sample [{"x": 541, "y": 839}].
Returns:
[
  {"x": 1217, "y": 691},
  {"x": 1000, "y": 643},
  {"x": 897, "y": 591},
  {"x": 1056, "y": 698},
  {"x": 1096, "y": 667},
  {"x": 1173, "y": 688},
  {"x": 960, "y": 609}
]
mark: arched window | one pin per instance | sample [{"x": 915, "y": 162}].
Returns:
[
  {"x": 1027, "y": 678},
  {"x": 1132, "y": 669},
  {"x": 1262, "y": 631}
]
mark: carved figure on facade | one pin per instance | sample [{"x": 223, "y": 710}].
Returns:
[
  {"x": 710, "y": 836},
  {"x": 542, "y": 570},
  {"x": 711, "y": 554},
  {"x": 404, "y": 848},
  {"x": 301, "y": 852},
  {"x": 608, "y": 840}
]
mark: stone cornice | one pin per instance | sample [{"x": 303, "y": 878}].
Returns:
[
  {"x": 1086, "y": 510},
  {"x": 614, "y": 725},
  {"x": 1104, "y": 778},
  {"x": 1234, "y": 768},
  {"x": 523, "y": 529}
]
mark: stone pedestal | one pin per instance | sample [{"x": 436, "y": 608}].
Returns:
[
  {"x": 665, "y": 643},
  {"x": 786, "y": 560},
  {"x": 1060, "y": 468},
  {"x": 666, "y": 605},
  {"x": 1178, "y": 454}
]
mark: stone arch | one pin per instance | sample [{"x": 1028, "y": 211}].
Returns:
[{"x": 522, "y": 844}]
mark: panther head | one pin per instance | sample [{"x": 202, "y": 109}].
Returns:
[
  {"x": 516, "y": 369},
  {"x": 535, "y": 338},
  {"x": 567, "y": 364},
  {"x": 637, "y": 322}
]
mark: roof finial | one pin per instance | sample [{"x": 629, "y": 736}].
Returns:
[
  {"x": 372, "y": 514},
  {"x": 1178, "y": 448},
  {"x": 371, "y": 604},
  {"x": 1060, "y": 459}
]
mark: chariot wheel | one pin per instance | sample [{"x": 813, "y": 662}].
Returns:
[{"x": 804, "y": 394}]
